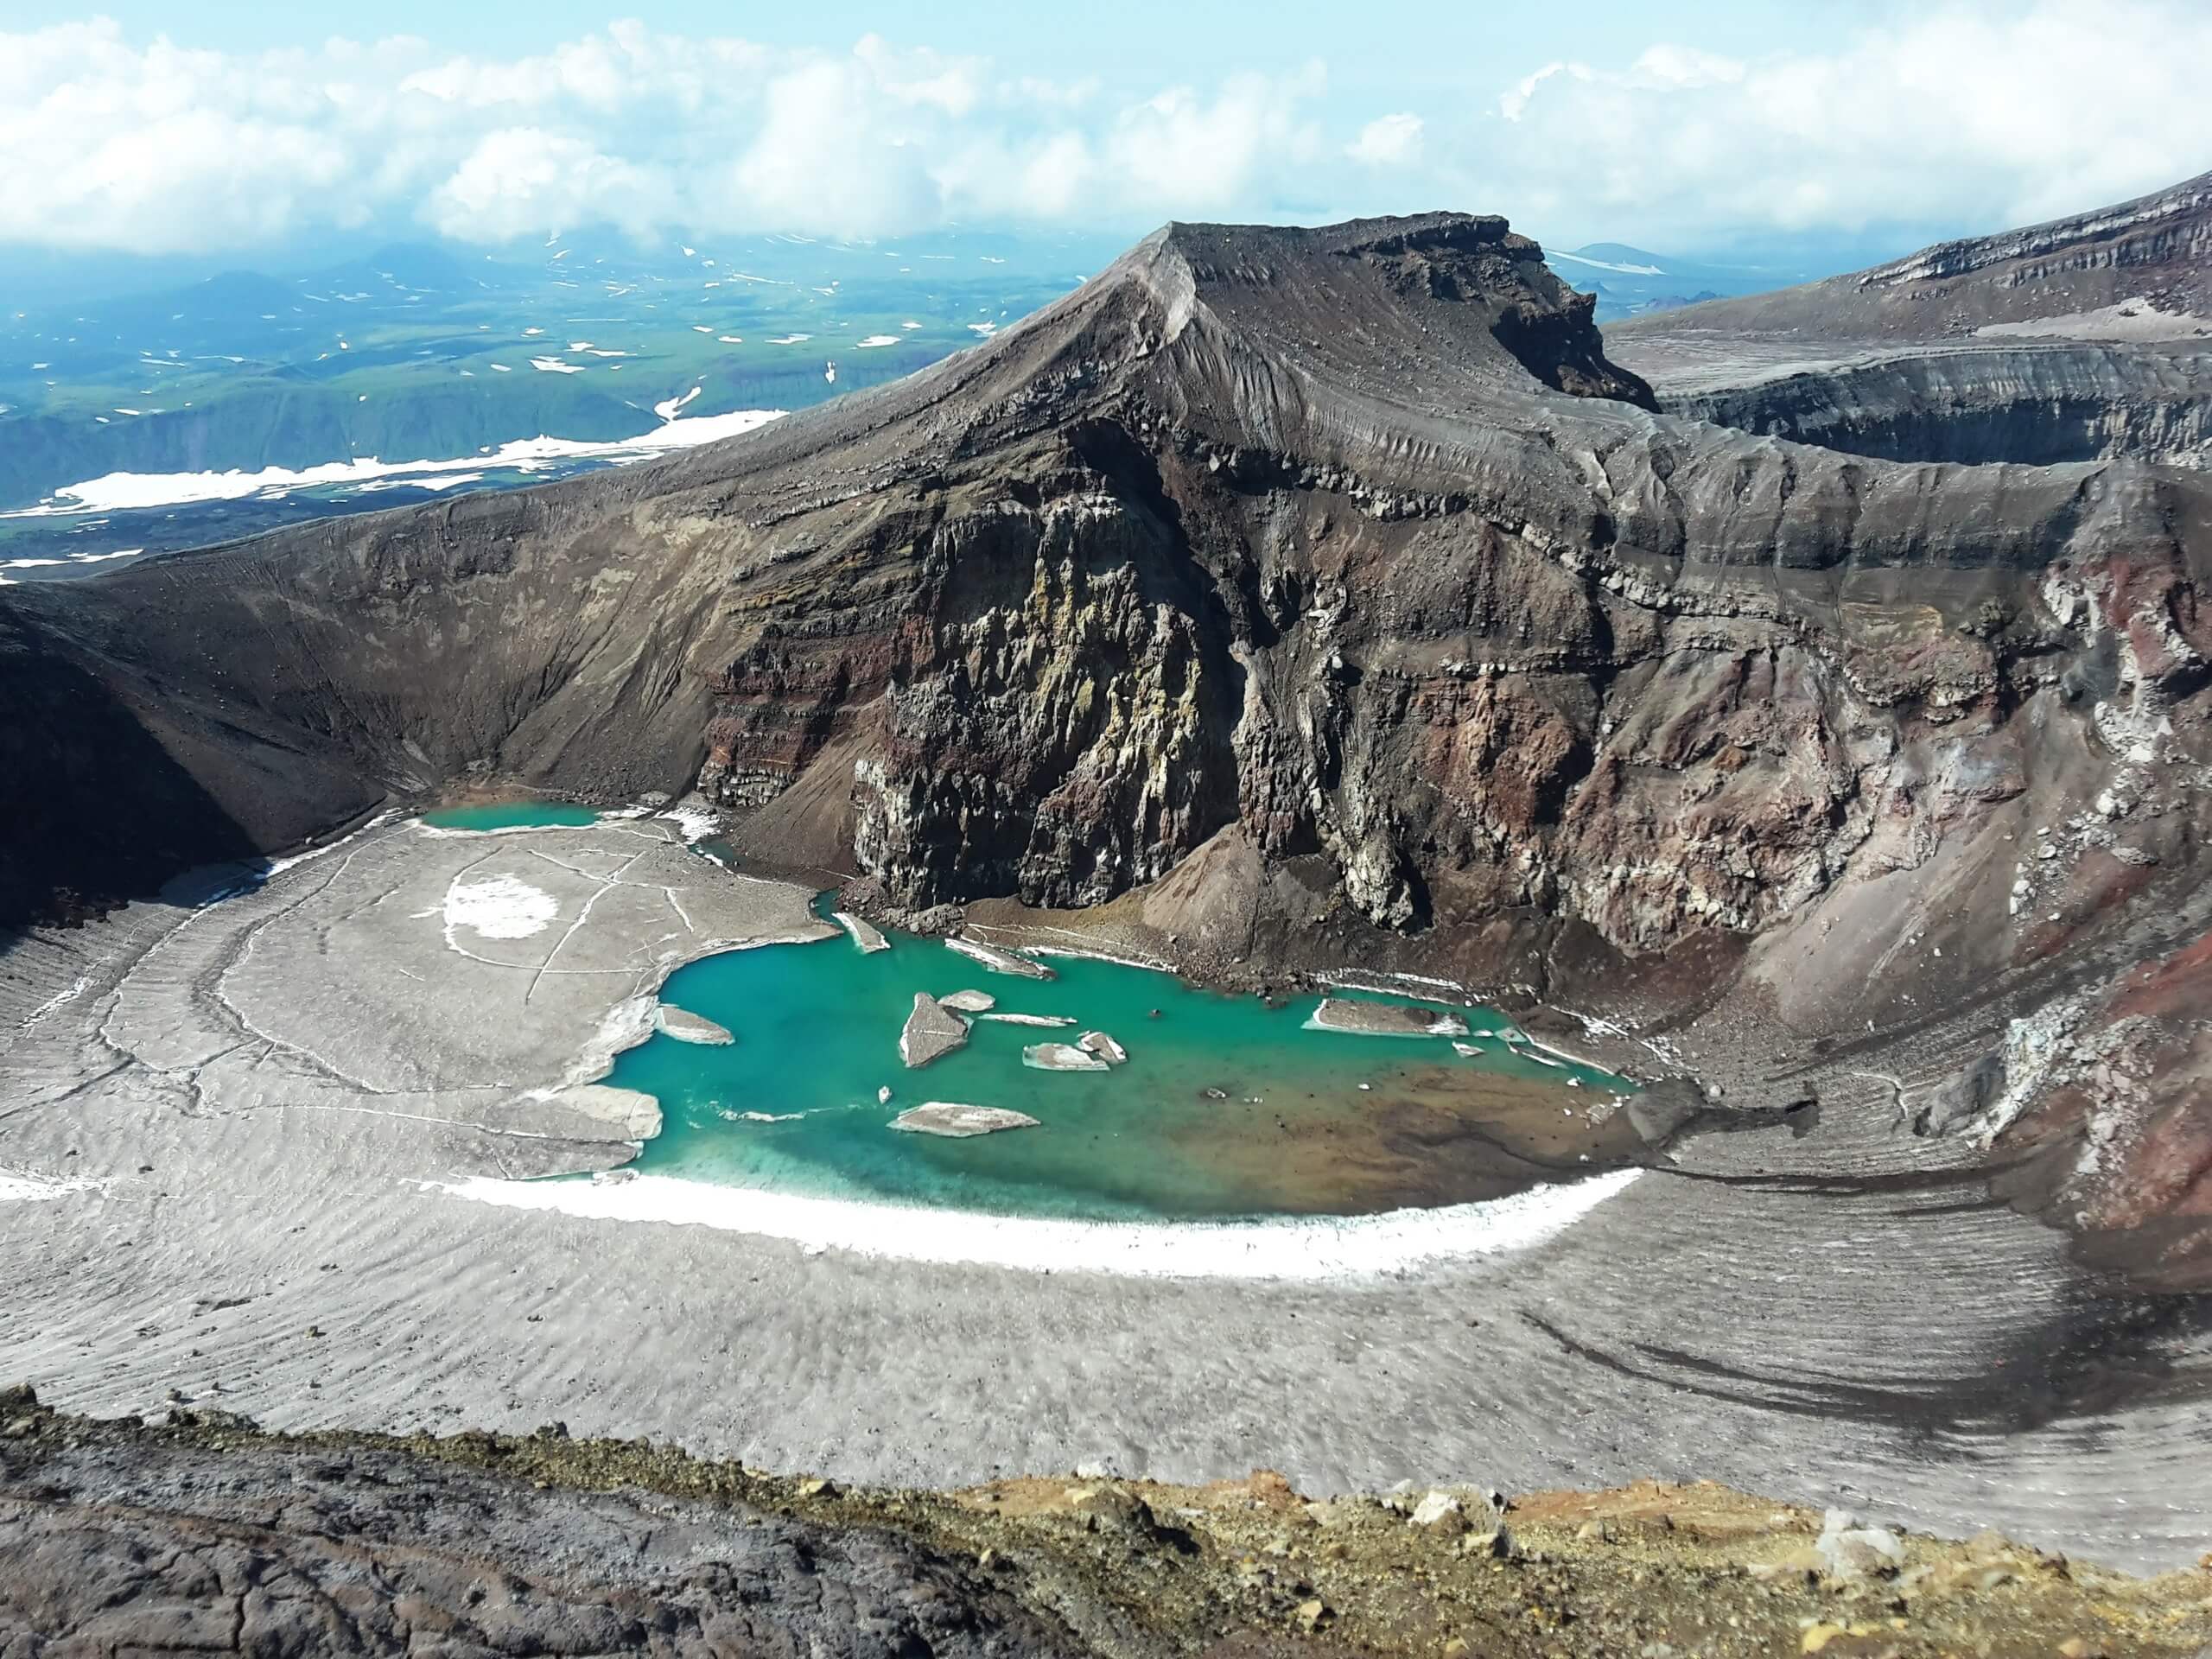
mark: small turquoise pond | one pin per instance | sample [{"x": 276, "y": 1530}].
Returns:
[
  {"x": 511, "y": 815},
  {"x": 1227, "y": 1108}
]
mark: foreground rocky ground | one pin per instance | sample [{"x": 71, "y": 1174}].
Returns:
[{"x": 208, "y": 1535}]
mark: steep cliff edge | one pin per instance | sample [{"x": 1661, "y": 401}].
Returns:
[
  {"x": 2038, "y": 403},
  {"x": 1347, "y": 558}
]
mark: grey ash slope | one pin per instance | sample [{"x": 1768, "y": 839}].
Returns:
[
  {"x": 1330, "y": 594},
  {"x": 2079, "y": 340},
  {"x": 2154, "y": 251}
]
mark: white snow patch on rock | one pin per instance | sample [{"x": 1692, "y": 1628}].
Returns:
[{"x": 500, "y": 907}]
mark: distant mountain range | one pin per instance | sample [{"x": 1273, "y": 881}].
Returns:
[
  {"x": 424, "y": 352},
  {"x": 1631, "y": 281}
]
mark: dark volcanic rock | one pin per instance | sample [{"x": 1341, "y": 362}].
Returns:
[{"x": 126, "y": 1548}]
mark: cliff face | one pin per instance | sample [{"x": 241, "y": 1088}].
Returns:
[
  {"x": 2077, "y": 342},
  {"x": 2041, "y": 403},
  {"x": 1349, "y": 542}
]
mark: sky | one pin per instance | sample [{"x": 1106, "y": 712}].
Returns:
[{"x": 227, "y": 127}]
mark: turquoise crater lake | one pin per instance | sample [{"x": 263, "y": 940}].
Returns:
[
  {"x": 511, "y": 815},
  {"x": 1227, "y": 1108}
]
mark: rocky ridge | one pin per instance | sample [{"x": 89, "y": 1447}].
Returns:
[{"x": 2151, "y": 254}]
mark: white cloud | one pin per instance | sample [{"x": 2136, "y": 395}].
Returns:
[
  {"x": 1964, "y": 115},
  {"x": 1665, "y": 65},
  {"x": 1511, "y": 105},
  {"x": 1190, "y": 154},
  {"x": 830, "y": 156},
  {"x": 1959, "y": 117},
  {"x": 1387, "y": 141},
  {"x": 522, "y": 181}
]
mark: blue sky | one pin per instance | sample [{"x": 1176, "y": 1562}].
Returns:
[
  {"x": 1373, "y": 45},
  {"x": 148, "y": 128}
]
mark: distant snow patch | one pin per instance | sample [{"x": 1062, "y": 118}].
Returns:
[
  {"x": 693, "y": 822},
  {"x": 2136, "y": 319},
  {"x": 1606, "y": 264},
  {"x": 555, "y": 366},
  {"x": 73, "y": 559},
  {"x": 666, "y": 409},
  {"x": 119, "y": 492},
  {"x": 877, "y": 339}
]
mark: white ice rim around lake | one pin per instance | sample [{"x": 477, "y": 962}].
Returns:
[
  {"x": 124, "y": 492},
  {"x": 1304, "y": 1250}
]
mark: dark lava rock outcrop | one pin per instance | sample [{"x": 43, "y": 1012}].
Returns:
[
  {"x": 1344, "y": 566},
  {"x": 206, "y": 1535}
]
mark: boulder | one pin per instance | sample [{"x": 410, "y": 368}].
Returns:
[
  {"x": 1441, "y": 1513},
  {"x": 1848, "y": 1549}
]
